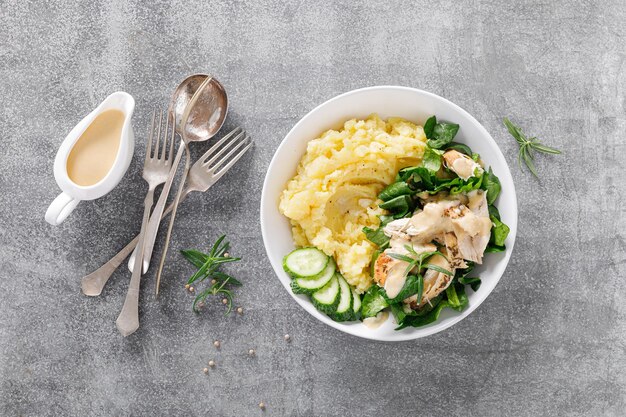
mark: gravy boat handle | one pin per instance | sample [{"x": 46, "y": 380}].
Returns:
[{"x": 60, "y": 208}]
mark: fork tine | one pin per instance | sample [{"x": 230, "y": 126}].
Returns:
[
  {"x": 235, "y": 158},
  {"x": 155, "y": 155},
  {"x": 219, "y": 143},
  {"x": 224, "y": 148},
  {"x": 173, "y": 136},
  {"x": 235, "y": 146},
  {"x": 165, "y": 138},
  {"x": 149, "y": 141}
]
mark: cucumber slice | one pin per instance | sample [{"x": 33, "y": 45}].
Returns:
[
  {"x": 356, "y": 305},
  {"x": 327, "y": 298},
  {"x": 310, "y": 285},
  {"x": 305, "y": 262},
  {"x": 344, "y": 308}
]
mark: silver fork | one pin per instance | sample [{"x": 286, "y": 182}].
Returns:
[
  {"x": 200, "y": 179},
  {"x": 156, "y": 169}
]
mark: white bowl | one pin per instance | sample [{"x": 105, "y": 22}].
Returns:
[{"x": 412, "y": 104}]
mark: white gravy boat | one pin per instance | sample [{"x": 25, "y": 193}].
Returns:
[{"x": 73, "y": 193}]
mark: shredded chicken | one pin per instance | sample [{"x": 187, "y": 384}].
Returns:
[{"x": 460, "y": 224}]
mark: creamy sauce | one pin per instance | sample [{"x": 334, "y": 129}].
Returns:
[
  {"x": 377, "y": 321},
  {"x": 432, "y": 220},
  {"x": 478, "y": 203},
  {"x": 94, "y": 153},
  {"x": 396, "y": 277},
  {"x": 466, "y": 167}
]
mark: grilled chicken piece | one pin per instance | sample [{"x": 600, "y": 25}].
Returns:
[
  {"x": 477, "y": 203},
  {"x": 383, "y": 265},
  {"x": 399, "y": 228},
  {"x": 454, "y": 256},
  {"x": 472, "y": 228},
  {"x": 432, "y": 220},
  {"x": 390, "y": 274},
  {"x": 435, "y": 282},
  {"x": 461, "y": 164}
]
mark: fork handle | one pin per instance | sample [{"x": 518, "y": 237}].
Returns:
[
  {"x": 93, "y": 283},
  {"x": 128, "y": 320},
  {"x": 155, "y": 218},
  {"x": 171, "y": 224}
]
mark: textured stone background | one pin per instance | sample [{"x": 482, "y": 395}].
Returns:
[{"x": 551, "y": 338}]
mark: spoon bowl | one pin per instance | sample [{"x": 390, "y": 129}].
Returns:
[{"x": 206, "y": 116}]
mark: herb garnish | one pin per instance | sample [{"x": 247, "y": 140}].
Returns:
[
  {"x": 527, "y": 146},
  {"x": 208, "y": 267},
  {"x": 418, "y": 260}
]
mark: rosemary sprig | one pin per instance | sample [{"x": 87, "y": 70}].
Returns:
[
  {"x": 208, "y": 267},
  {"x": 418, "y": 260},
  {"x": 527, "y": 146}
]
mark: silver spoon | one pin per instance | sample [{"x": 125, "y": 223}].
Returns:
[
  {"x": 204, "y": 106},
  {"x": 204, "y": 120}
]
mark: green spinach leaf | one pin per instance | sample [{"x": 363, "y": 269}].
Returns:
[
  {"x": 376, "y": 236},
  {"x": 494, "y": 249},
  {"x": 459, "y": 185},
  {"x": 459, "y": 147},
  {"x": 375, "y": 256},
  {"x": 432, "y": 159},
  {"x": 491, "y": 184},
  {"x": 493, "y": 211},
  {"x": 499, "y": 231},
  {"x": 394, "y": 190},
  {"x": 457, "y": 299},
  {"x": 397, "y": 309},
  {"x": 443, "y": 133},
  {"x": 473, "y": 282},
  {"x": 400, "y": 206},
  {"x": 429, "y": 126},
  {"x": 374, "y": 302},
  {"x": 461, "y": 276},
  {"x": 430, "y": 316}
]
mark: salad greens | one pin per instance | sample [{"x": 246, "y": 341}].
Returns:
[
  {"x": 374, "y": 301},
  {"x": 402, "y": 198},
  {"x": 439, "y": 134}
]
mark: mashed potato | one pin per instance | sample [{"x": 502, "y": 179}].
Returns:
[{"x": 334, "y": 193}]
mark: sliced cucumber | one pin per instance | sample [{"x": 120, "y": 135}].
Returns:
[
  {"x": 344, "y": 308},
  {"x": 310, "y": 285},
  {"x": 305, "y": 262},
  {"x": 327, "y": 298},
  {"x": 356, "y": 305}
]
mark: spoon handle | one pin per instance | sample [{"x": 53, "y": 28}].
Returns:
[
  {"x": 171, "y": 224},
  {"x": 93, "y": 283},
  {"x": 128, "y": 320}
]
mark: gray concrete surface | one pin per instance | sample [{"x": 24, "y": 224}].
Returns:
[{"x": 551, "y": 338}]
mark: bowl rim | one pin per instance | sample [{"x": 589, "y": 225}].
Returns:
[{"x": 397, "y": 336}]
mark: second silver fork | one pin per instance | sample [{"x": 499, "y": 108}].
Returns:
[{"x": 156, "y": 169}]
